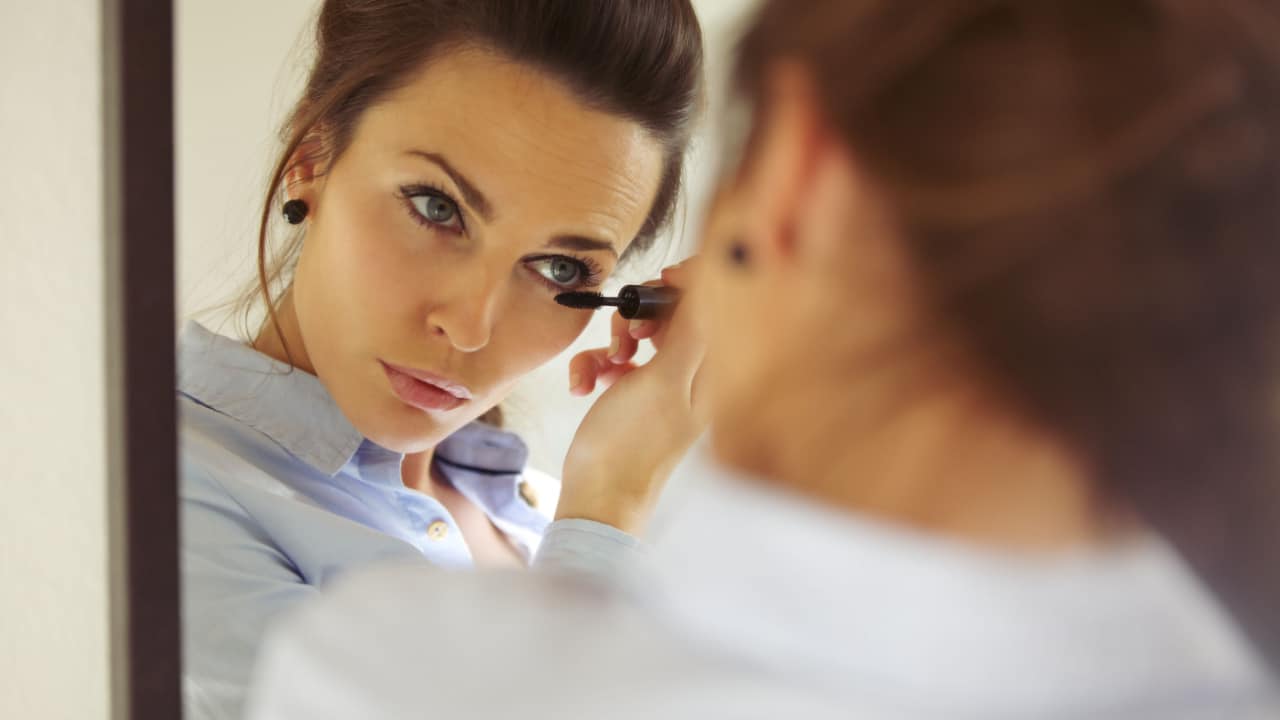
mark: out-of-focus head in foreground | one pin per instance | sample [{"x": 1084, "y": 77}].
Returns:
[{"x": 1010, "y": 269}]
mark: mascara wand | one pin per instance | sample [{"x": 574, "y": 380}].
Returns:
[{"x": 634, "y": 302}]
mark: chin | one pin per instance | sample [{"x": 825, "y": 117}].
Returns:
[{"x": 403, "y": 429}]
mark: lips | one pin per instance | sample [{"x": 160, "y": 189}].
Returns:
[{"x": 425, "y": 391}]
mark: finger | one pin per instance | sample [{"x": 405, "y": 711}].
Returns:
[
  {"x": 680, "y": 276},
  {"x": 659, "y": 337},
  {"x": 613, "y": 374},
  {"x": 592, "y": 369},
  {"x": 642, "y": 329},
  {"x": 674, "y": 276},
  {"x": 681, "y": 344},
  {"x": 627, "y": 333},
  {"x": 585, "y": 369},
  {"x": 622, "y": 346}
]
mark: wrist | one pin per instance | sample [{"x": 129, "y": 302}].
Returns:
[
  {"x": 628, "y": 518},
  {"x": 618, "y": 505}
]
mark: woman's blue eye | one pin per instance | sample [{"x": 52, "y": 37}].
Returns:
[
  {"x": 437, "y": 210},
  {"x": 564, "y": 272}
]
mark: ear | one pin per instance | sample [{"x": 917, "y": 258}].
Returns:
[
  {"x": 784, "y": 151},
  {"x": 804, "y": 190},
  {"x": 306, "y": 168}
]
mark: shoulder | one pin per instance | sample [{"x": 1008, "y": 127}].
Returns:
[
  {"x": 213, "y": 447},
  {"x": 233, "y": 508},
  {"x": 395, "y": 640},
  {"x": 234, "y": 478}
]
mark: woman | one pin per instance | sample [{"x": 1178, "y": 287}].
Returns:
[
  {"x": 990, "y": 310},
  {"x": 450, "y": 168}
]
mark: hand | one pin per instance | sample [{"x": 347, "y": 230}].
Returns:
[{"x": 643, "y": 424}]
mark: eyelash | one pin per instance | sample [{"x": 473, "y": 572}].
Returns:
[
  {"x": 592, "y": 272},
  {"x": 409, "y": 192}
]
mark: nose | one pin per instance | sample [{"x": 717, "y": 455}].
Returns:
[{"x": 465, "y": 312}]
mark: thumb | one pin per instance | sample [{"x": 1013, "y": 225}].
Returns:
[{"x": 683, "y": 345}]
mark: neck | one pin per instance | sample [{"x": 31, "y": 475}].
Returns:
[
  {"x": 942, "y": 460},
  {"x": 281, "y": 339},
  {"x": 416, "y": 472}
]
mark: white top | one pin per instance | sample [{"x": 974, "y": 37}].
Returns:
[{"x": 757, "y": 604}]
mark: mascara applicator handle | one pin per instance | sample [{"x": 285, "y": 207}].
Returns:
[{"x": 646, "y": 302}]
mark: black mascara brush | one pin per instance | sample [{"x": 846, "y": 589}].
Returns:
[{"x": 634, "y": 302}]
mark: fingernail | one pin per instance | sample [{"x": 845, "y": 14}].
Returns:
[
  {"x": 575, "y": 382},
  {"x": 615, "y": 346}
]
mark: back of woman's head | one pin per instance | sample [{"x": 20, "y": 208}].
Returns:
[
  {"x": 1089, "y": 193},
  {"x": 640, "y": 60}
]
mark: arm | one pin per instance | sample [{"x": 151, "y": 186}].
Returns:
[{"x": 235, "y": 582}]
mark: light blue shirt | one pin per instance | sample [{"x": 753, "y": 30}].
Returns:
[{"x": 280, "y": 494}]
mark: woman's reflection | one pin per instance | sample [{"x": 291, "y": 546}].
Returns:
[{"x": 449, "y": 169}]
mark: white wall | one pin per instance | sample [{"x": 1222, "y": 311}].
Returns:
[
  {"x": 240, "y": 65},
  {"x": 53, "y": 595}
]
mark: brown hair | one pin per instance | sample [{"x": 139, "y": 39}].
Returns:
[
  {"x": 638, "y": 59},
  {"x": 1090, "y": 195}
]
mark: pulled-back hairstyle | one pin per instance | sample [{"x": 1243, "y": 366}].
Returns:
[
  {"x": 1090, "y": 197},
  {"x": 637, "y": 59}
]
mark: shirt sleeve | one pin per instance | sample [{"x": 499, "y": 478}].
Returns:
[
  {"x": 235, "y": 583},
  {"x": 586, "y": 547}
]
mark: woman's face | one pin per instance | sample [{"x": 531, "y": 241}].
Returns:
[{"x": 437, "y": 242}]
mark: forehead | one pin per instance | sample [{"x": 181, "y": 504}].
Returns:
[{"x": 534, "y": 149}]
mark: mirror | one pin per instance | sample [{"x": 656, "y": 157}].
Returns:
[{"x": 414, "y": 295}]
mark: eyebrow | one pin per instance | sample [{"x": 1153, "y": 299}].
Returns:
[
  {"x": 582, "y": 244},
  {"x": 470, "y": 194},
  {"x": 476, "y": 199}
]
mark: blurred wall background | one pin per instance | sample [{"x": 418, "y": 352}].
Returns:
[
  {"x": 53, "y": 521},
  {"x": 241, "y": 64}
]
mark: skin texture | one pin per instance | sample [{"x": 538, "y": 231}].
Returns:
[
  {"x": 466, "y": 300},
  {"x": 820, "y": 369},
  {"x": 470, "y": 297}
]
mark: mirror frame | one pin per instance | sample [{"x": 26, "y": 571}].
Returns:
[{"x": 138, "y": 233}]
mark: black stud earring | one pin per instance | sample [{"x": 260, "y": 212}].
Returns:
[
  {"x": 295, "y": 211},
  {"x": 739, "y": 254}
]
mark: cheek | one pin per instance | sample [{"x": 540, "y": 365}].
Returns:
[
  {"x": 531, "y": 333},
  {"x": 365, "y": 263}
]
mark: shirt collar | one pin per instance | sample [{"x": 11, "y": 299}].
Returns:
[
  {"x": 484, "y": 449},
  {"x": 294, "y": 409},
  {"x": 289, "y": 406}
]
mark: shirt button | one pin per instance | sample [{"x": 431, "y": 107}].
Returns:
[
  {"x": 528, "y": 493},
  {"x": 438, "y": 530}
]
